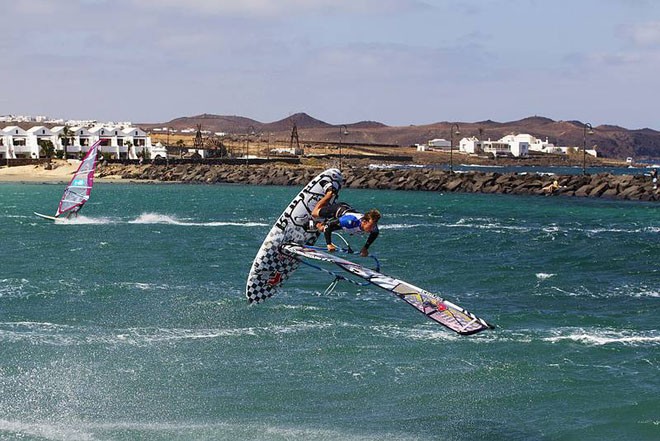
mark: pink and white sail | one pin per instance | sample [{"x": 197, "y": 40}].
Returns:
[{"x": 80, "y": 186}]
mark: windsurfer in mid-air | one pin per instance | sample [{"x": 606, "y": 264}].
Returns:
[{"x": 341, "y": 216}]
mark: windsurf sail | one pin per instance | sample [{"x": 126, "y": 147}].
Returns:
[
  {"x": 80, "y": 187},
  {"x": 434, "y": 307}
]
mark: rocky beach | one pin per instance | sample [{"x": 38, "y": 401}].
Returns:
[{"x": 602, "y": 185}]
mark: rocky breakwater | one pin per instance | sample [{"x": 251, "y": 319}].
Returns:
[{"x": 423, "y": 179}]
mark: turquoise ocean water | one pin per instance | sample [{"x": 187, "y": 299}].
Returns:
[{"x": 130, "y": 323}]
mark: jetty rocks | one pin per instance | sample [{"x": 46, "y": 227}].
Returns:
[{"x": 604, "y": 185}]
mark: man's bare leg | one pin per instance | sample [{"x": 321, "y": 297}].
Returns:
[{"x": 322, "y": 203}]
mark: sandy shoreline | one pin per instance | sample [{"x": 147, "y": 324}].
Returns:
[{"x": 61, "y": 172}]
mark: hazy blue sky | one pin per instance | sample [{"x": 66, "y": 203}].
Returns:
[{"x": 399, "y": 62}]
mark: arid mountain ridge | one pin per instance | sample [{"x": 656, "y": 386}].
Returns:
[{"x": 610, "y": 140}]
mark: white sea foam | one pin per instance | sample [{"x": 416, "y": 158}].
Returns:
[
  {"x": 481, "y": 166},
  {"x": 551, "y": 229},
  {"x": 142, "y": 336},
  {"x": 645, "y": 292},
  {"x": 634, "y": 291},
  {"x": 145, "y": 286},
  {"x": 544, "y": 276},
  {"x": 37, "y": 332},
  {"x": 56, "y": 432},
  {"x": 426, "y": 333},
  {"x": 411, "y": 215},
  {"x": 155, "y": 218},
  {"x": 296, "y": 327},
  {"x": 600, "y": 337},
  {"x": 611, "y": 230},
  {"x": 84, "y": 220},
  {"x": 89, "y": 431},
  {"x": 485, "y": 224},
  {"x": 394, "y": 166},
  {"x": 63, "y": 335},
  {"x": 12, "y": 287},
  {"x": 402, "y": 226},
  {"x": 300, "y": 307},
  {"x": 616, "y": 292}
]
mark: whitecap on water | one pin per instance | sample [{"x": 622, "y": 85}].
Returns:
[
  {"x": 84, "y": 220},
  {"x": 416, "y": 333},
  {"x": 402, "y": 226},
  {"x": 155, "y": 218},
  {"x": 605, "y": 336},
  {"x": 48, "y": 431},
  {"x": 12, "y": 287}
]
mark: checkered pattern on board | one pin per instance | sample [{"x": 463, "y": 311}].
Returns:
[{"x": 270, "y": 263}]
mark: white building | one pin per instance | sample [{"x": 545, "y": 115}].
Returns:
[
  {"x": 137, "y": 142},
  {"x": 14, "y": 142},
  {"x": 470, "y": 145},
  {"x": 118, "y": 142},
  {"x": 537, "y": 145},
  {"x": 496, "y": 148},
  {"x": 511, "y": 145},
  {"x": 439, "y": 144},
  {"x": 158, "y": 151},
  {"x": 514, "y": 145},
  {"x": 36, "y": 136},
  {"x": 518, "y": 144}
]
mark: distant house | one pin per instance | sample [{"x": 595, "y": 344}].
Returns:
[
  {"x": 137, "y": 141},
  {"x": 518, "y": 144},
  {"x": 496, "y": 148},
  {"x": 470, "y": 145},
  {"x": 112, "y": 141},
  {"x": 15, "y": 141},
  {"x": 38, "y": 135},
  {"x": 510, "y": 145},
  {"x": 439, "y": 144},
  {"x": 121, "y": 142},
  {"x": 82, "y": 138},
  {"x": 537, "y": 145},
  {"x": 157, "y": 151},
  {"x": 287, "y": 151}
]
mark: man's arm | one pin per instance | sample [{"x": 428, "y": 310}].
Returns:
[{"x": 364, "y": 252}]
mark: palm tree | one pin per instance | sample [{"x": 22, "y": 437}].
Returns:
[
  {"x": 47, "y": 148},
  {"x": 129, "y": 144},
  {"x": 65, "y": 139}
]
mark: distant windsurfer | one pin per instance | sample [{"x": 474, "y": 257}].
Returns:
[{"x": 341, "y": 216}]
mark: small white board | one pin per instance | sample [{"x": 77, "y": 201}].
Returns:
[
  {"x": 270, "y": 267},
  {"x": 44, "y": 216}
]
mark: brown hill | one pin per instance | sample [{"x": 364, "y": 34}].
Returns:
[
  {"x": 301, "y": 120},
  {"x": 610, "y": 140}
]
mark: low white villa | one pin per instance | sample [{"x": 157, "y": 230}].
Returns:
[
  {"x": 514, "y": 145},
  {"x": 434, "y": 144},
  {"x": 120, "y": 142}
]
